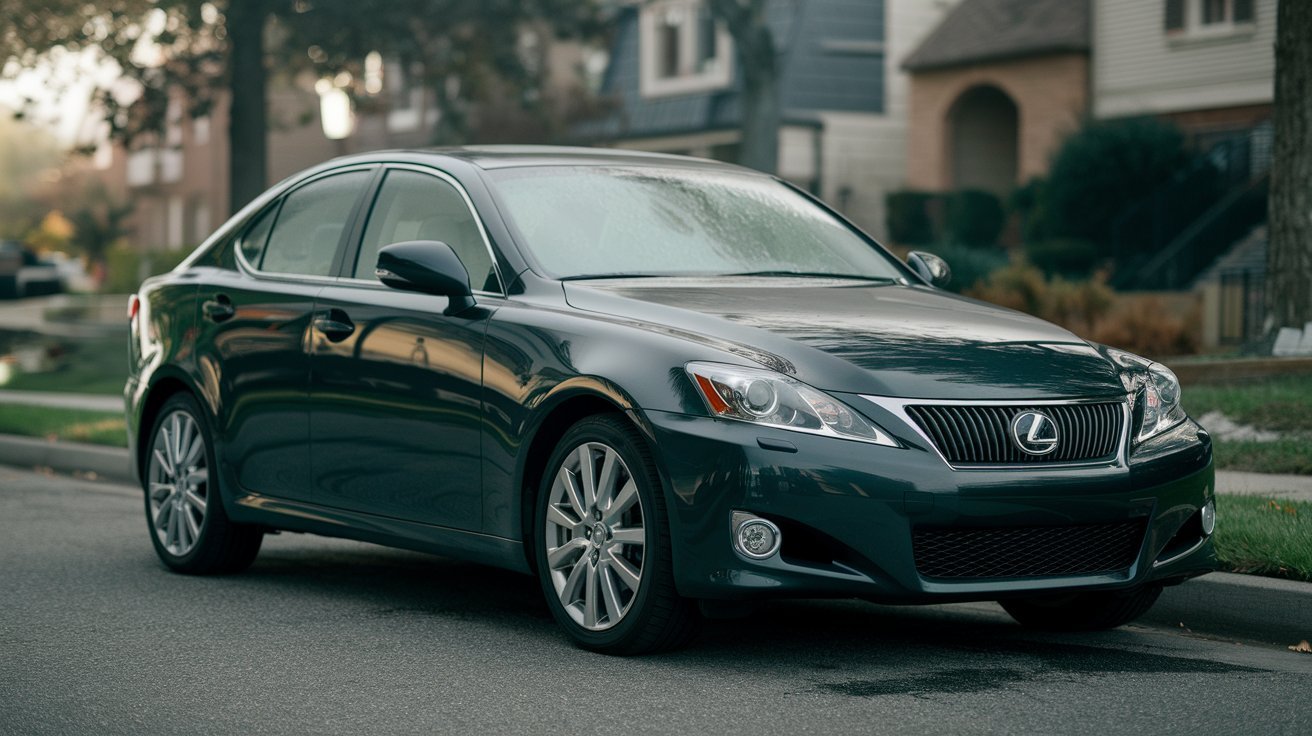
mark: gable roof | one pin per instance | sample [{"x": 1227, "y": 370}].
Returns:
[{"x": 994, "y": 30}]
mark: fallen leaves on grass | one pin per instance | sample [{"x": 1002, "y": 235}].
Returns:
[
  {"x": 1277, "y": 506},
  {"x": 1302, "y": 646}
]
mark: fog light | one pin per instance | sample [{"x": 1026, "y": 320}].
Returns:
[
  {"x": 755, "y": 537},
  {"x": 1208, "y": 515}
]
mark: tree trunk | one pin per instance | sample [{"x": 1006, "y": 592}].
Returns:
[
  {"x": 248, "y": 111},
  {"x": 755, "y": 53},
  {"x": 1289, "y": 253}
]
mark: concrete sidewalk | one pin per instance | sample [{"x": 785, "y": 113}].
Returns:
[
  {"x": 1241, "y": 483},
  {"x": 63, "y": 400}
]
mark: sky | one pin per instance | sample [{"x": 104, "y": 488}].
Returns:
[{"x": 60, "y": 90}]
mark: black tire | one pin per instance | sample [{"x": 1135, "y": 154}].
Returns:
[
  {"x": 221, "y": 546},
  {"x": 1083, "y": 611},
  {"x": 658, "y": 618}
]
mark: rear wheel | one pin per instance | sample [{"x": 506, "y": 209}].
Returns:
[
  {"x": 188, "y": 527},
  {"x": 603, "y": 545},
  {"x": 1083, "y": 611}
]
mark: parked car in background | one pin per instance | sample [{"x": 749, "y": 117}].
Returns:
[
  {"x": 662, "y": 385},
  {"x": 23, "y": 274}
]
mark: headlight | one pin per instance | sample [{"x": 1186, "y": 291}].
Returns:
[
  {"x": 775, "y": 400},
  {"x": 1155, "y": 391}
]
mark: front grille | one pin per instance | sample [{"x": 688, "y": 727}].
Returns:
[
  {"x": 973, "y": 434},
  {"x": 1010, "y": 552}
]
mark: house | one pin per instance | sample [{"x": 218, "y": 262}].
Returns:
[
  {"x": 994, "y": 89},
  {"x": 674, "y": 88},
  {"x": 1206, "y": 65}
]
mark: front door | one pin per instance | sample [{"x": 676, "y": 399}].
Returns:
[{"x": 396, "y": 385}]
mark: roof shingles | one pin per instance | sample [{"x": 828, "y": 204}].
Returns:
[{"x": 979, "y": 31}]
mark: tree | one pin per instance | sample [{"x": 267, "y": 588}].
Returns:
[
  {"x": 1289, "y": 252},
  {"x": 205, "y": 47},
  {"x": 757, "y": 56}
]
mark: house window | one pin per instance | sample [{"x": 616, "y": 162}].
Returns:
[
  {"x": 682, "y": 49},
  {"x": 1206, "y": 18}
]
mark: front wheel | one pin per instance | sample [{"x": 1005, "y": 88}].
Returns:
[
  {"x": 1083, "y": 611},
  {"x": 603, "y": 546},
  {"x": 188, "y": 527}
]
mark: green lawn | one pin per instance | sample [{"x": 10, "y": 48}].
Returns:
[
  {"x": 1265, "y": 536},
  {"x": 73, "y": 425},
  {"x": 97, "y": 366},
  {"x": 1281, "y": 404}
]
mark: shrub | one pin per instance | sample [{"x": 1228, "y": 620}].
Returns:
[
  {"x": 969, "y": 265},
  {"x": 127, "y": 267},
  {"x": 974, "y": 217},
  {"x": 1090, "y": 309},
  {"x": 1063, "y": 256},
  {"x": 908, "y": 217},
  {"x": 1104, "y": 169}
]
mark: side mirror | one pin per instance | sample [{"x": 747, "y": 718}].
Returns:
[
  {"x": 931, "y": 268},
  {"x": 427, "y": 266}
]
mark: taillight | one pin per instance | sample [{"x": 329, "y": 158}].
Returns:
[{"x": 134, "y": 306}]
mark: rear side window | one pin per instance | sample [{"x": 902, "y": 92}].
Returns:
[
  {"x": 257, "y": 236},
  {"x": 415, "y": 206},
  {"x": 310, "y": 224}
]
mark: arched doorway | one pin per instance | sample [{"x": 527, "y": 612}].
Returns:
[{"x": 984, "y": 125}]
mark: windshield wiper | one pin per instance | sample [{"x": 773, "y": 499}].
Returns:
[
  {"x": 816, "y": 275},
  {"x": 600, "y": 276}
]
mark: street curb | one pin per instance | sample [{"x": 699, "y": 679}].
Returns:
[
  {"x": 1227, "y": 605},
  {"x": 1235, "y": 606},
  {"x": 108, "y": 463}
]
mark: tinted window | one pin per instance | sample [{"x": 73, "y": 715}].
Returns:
[
  {"x": 310, "y": 225},
  {"x": 415, "y": 206},
  {"x": 592, "y": 221},
  {"x": 256, "y": 236}
]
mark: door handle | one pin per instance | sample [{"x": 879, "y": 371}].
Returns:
[
  {"x": 335, "y": 325},
  {"x": 219, "y": 309}
]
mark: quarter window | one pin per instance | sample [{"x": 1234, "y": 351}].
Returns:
[
  {"x": 415, "y": 206},
  {"x": 310, "y": 224}
]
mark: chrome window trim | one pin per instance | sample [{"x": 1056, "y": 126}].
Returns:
[
  {"x": 897, "y": 406},
  {"x": 469, "y": 204},
  {"x": 245, "y": 266}
]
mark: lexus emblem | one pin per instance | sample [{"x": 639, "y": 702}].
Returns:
[{"x": 1034, "y": 432}]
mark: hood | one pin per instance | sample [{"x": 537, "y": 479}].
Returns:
[{"x": 858, "y": 337}]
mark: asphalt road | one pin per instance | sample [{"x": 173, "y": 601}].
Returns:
[{"x": 326, "y": 636}]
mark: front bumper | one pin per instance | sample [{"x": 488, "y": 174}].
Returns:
[{"x": 850, "y": 511}]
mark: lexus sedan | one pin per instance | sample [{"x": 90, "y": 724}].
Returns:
[{"x": 666, "y": 387}]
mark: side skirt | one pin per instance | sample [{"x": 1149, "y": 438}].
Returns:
[{"x": 296, "y": 516}]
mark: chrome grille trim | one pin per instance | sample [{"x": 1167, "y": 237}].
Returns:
[{"x": 971, "y": 429}]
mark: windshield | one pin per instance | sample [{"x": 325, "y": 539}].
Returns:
[{"x": 588, "y": 221}]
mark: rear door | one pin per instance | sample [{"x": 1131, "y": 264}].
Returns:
[
  {"x": 254, "y": 326},
  {"x": 396, "y": 385}
]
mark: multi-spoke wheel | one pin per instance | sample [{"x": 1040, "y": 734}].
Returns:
[
  {"x": 189, "y": 529},
  {"x": 603, "y": 546}
]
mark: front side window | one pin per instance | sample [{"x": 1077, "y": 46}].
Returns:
[
  {"x": 416, "y": 206},
  {"x": 645, "y": 221},
  {"x": 310, "y": 224}
]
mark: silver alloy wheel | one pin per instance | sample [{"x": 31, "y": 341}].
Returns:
[
  {"x": 594, "y": 536},
  {"x": 178, "y": 483}
]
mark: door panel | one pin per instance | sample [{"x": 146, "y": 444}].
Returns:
[
  {"x": 253, "y": 335},
  {"x": 255, "y": 330},
  {"x": 396, "y": 392}
]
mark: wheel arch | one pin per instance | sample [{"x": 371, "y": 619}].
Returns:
[
  {"x": 569, "y": 402},
  {"x": 163, "y": 387}
]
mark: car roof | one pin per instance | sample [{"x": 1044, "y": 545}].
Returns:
[{"x": 507, "y": 156}]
